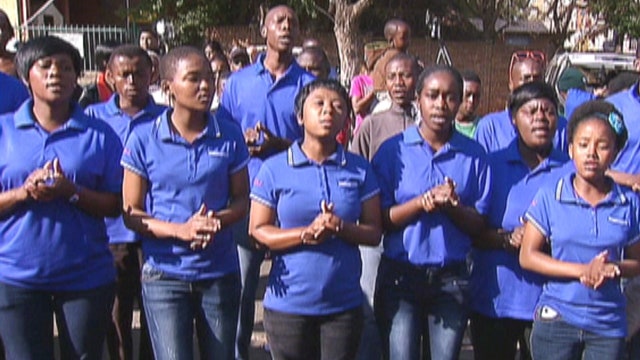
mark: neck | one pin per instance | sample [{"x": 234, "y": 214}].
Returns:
[
  {"x": 592, "y": 190},
  {"x": 51, "y": 116},
  {"x": 435, "y": 139},
  {"x": 532, "y": 157},
  {"x": 318, "y": 150},
  {"x": 131, "y": 107},
  {"x": 277, "y": 63},
  {"x": 189, "y": 124}
]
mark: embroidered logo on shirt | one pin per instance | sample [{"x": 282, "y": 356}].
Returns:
[
  {"x": 348, "y": 183},
  {"x": 218, "y": 153},
  {"x": 618, "y": 221}
]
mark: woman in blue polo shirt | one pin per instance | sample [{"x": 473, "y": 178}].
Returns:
[
  {"x": 185, "y": 183},
  {"x": 59, "y": 178},
  {"x": 504, "y": 295},
  {"x": 587, "y": 222},
  {"x": 434, "y": 186},
  {"x": 312, "y": 205}
]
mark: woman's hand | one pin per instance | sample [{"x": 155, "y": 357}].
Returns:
[
  {"x": 599, "y": 270},
  {"x": 49, "y": 183},
  {"x": 325, "y": 225},
  {"x": 200, "y": 229},
  {"x": 440, "y": 196}
]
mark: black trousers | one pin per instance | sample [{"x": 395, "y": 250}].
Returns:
[{"x": 498, "y": 338}]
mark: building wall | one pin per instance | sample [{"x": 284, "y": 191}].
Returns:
[{"x": 11, "y": 8}]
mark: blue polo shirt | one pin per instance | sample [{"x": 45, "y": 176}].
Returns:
[
  {"x": 123, "y": 124},
  {"x": 320, "y": 279},
  {"x": 628, "y": 103},
  {"x": 54, "y": 245},
  {"x": 14, "y": 93},
  {"x": 496, "y": 131},
  {"x": 500, "y": 287},
  {"x": 406, "y": 167},
  {"x": 252, "y": 96},
  {"x": 577, "y": 232},
  {"x": 181, "y": 177}
]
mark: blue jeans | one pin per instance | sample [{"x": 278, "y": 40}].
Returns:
[
  {"x": 370, "y": 348},
  {"x": 250, "y": 260},
  {"x": 26, "y": 318},
  {"x": 172, "y": 305},
  {"x": 413, "y": 302},
  {"x": 556, "y": 340}
]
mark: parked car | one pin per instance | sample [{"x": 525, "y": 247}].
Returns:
[{"x": 598, "y": 68}]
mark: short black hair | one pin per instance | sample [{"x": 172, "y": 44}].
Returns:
[
  {"x": 149, "y": 30},
  {"x": 131, "y": 51},
  {"x": 430, "y": 70},
  {"x": 103, "y": 53},
  {"x": 214, "y": 45},
  {"x": 41, "y": 47},
  {"x": 405, "y": 57},
  {"x": 601, "y": 110},
  {"x": 530, "y": 91},
  {"x": 329, "y": 84},
  {"x": 470, "y": 76},
  {"x": 169, "y": 62}
]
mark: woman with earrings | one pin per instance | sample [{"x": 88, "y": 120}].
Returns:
[
  {"x": 59, "y": 178},
  {"x": 582, "y": 233},
  {"x": 434, "y": 186},
  {"x": 185, "y": 184},
  {"x": 312, "y": 205}
]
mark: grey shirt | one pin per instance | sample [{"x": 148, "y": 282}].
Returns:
[{"x": 376, "y": 128}]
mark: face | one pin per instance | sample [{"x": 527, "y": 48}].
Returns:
[
  {"x": 148, "y": 41},
  {"x": 131, "y": 78},
  {"x": 439, "y": 102},
  {"x": 52, "y": 79},
  {"x": 524, "y": 72},
  {"x": 281, "y": 29},
  {"x": 209, "y": 52},
  {"x": 470, "y": 98},
  {"x": 402, "y": 37},
  {"x": 239, "y": 62},
  {"x": 312, "y": 62},
  {"x": 593, "y": 148},
  {"x": 323, "y": 113},
  {"x": 401, "y": 81},
  {"x": 192, "y": 85},
  {"x": 536, "y": 123}
]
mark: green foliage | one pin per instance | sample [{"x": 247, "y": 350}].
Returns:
[
  {"x": 190, "y": 18},
  {"x": 621, "y": 15}
]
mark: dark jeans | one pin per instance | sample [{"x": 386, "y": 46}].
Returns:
[
  {"x": 498, "y": 338},
  {"x": 127, "y": 259},
  {"x": 172, "y": 306},
  {"x": 303, "y": 337},
  {"x": 250, "y": 259},
  {"x": 414, "y": 302},
  {"x": 26, "y": 318},
  {"x": 557, "y": 340}
]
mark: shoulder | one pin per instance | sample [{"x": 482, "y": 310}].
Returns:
[
  {"x": 468, "y": 146},
  {"x": 356, "y": 161},
  {"x": 96, "y": 110},
  {"x": 390, "y": 146}
]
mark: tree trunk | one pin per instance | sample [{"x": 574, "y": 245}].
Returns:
[{"x": 349, "y": 48}]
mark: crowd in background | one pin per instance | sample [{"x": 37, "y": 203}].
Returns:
[{"x": 394, "y": 215}]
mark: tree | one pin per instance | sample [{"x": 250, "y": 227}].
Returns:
[
  {"x": 490, "y": 11},
  {"x": 345, "y": 16},
  {"x": 560, "y": 13},
  {"x": 621, "y": 15}
]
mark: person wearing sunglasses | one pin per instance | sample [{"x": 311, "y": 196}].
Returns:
[{"x": 496, "y": 131}]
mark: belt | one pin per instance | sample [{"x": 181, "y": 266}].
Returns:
[{"x": 430, "y": 273}]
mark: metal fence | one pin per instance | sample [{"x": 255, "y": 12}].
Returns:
[{"x": 84, "y": 38}]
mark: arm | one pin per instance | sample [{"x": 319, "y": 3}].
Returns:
[
  {"x": 630, "y": 180},
  {"x": 499, "y": 239},
  {"x": 630, "y": 266},
  {"x": 11, "y": 198},
  {"x": 368, "y": 230},
  {"x": 466, "y": 218},
  {"x": 533, "y": 258},
  {"x": 239, "y": 191},
  {"x": 361, "y": 104}
]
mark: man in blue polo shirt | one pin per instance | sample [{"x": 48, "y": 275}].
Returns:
[
  {"x": 260, "y": 99},
  {"x": 496, "y": 131},
  {"x": 14, "y": 93},
  {"x": 129, "y": 69}
]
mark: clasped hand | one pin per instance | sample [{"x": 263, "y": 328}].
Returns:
[
  {"x": 252, "y": 139},
  {"x": 325, "y": 225},
  {"x": 440, "y": 196},
  {"x": 200, "y": 229},
  {"x": 599, "y": 270},
  {"x": 48, "y": 183}
]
